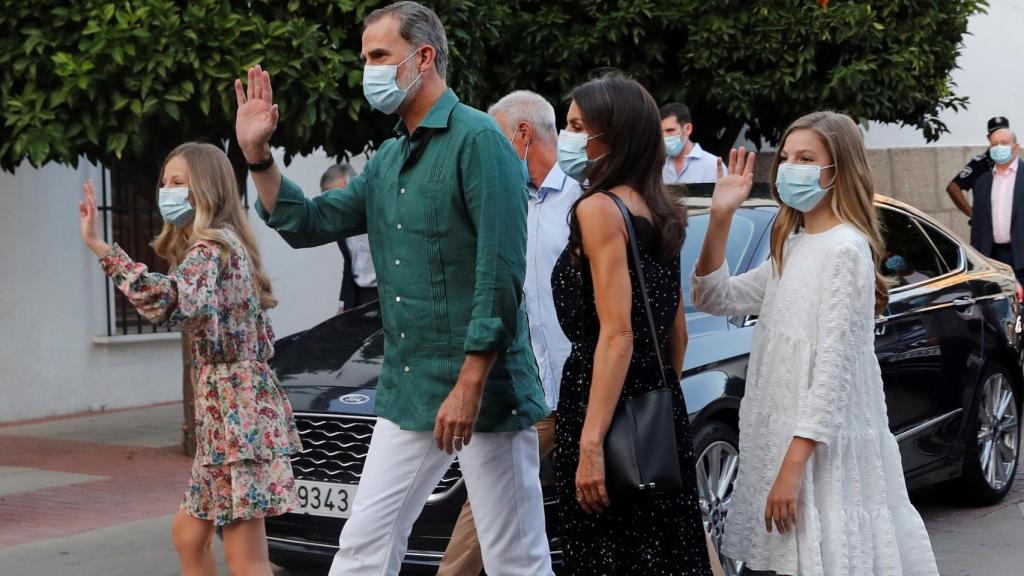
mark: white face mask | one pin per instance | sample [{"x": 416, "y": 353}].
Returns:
[{"x": 380, "y": 85}]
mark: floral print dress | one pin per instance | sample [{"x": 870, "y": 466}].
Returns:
[{"x": 245, "y": 432}]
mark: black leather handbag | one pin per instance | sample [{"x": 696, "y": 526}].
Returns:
[{"x": 640, "y": 453}]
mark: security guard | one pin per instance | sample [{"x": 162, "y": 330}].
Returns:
[{"x": 978, "y": 165}]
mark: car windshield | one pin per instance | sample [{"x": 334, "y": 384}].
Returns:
[{"x": 736, "y": 248}]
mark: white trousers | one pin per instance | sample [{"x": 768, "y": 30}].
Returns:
[{"x": 401, "y": 470}]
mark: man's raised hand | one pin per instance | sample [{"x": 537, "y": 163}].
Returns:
[{"x": 257, "y": 115}]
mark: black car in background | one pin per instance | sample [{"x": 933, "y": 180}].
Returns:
[{"x": 948, "y": 346}]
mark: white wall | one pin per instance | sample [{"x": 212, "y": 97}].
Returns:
[
  {"x": 990, "y": 73},
  {"x": 52, "y": 305},
  {"x": 54, "y": 356}
]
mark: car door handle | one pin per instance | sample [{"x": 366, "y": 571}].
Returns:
[{"x": 963, "y": 302}]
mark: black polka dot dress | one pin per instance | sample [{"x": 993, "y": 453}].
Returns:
[{"x": 657, "y": 536}]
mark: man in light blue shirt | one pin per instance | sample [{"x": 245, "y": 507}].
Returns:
[
  {"x": 528, "y": 121},
  {"x": 687, "y": 162}
]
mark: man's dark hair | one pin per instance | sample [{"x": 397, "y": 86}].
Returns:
[
  {"x": 337, "y": 171},
  {"x": 677, "y": 109},
  {"x": 418, "y": 26}
]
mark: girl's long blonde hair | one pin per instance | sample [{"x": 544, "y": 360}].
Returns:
[
  {"x": 853, "y": 191},
  {"x": 218, "y": 206}
]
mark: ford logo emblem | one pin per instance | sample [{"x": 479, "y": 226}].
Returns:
[{"x": 354, "y": 399}]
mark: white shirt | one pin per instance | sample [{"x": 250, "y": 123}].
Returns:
[
  {"x": 362, "y": 261},
  {"x": 1002, "y": 202},
  {"x": 699, "y": 167},
  {"x": 547, "y": 223}
]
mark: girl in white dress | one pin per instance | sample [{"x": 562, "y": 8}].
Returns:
[{"x": 820, "y": 489}]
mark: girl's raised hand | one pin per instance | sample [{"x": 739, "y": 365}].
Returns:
[
  {"x": 87, "y": 211},
  {"x": 733, "y": 187}
]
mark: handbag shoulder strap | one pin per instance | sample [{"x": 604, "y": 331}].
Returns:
[{"x": 637, "y": 266}]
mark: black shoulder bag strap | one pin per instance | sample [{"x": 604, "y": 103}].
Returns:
[{"x": 637, "y": 265}]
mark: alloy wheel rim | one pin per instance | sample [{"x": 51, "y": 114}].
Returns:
[
  {"x": 716, "y": 473},
  {"x": 998, "y": 432}
]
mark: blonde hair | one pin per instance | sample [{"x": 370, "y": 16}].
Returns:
[
  {"x": 853, "y": 191},
  {"x": 218, "y": 206}
]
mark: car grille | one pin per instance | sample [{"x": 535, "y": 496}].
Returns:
[{"x": 335, "y": 447}]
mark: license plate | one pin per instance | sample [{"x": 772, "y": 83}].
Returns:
[{"x": 325, "y": 498}]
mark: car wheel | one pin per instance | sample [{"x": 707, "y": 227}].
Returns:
[
  {"x": 993, "y": 440},
  {"x": 717, "y": 447}
]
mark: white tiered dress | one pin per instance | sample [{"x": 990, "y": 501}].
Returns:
[{"x": 813, "y": 373}]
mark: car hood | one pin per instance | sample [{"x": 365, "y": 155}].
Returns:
[{"x": 334, "y": 366}]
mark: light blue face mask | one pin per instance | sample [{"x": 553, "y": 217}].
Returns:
[
  {"x": 572, "y": 154},
  {"x": 380, "y": 85},
  {"x": 799, "y": 185},
  {"x": 674, "y": 145},
  {"x": 174, "y": 206},
  {"x": 1001, "y": 154}
]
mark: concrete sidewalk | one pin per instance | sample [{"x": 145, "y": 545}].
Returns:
[{"x": 94, "y": 496}]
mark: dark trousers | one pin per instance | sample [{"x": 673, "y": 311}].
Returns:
[
  {"x": 1004, "y": 254},
  {"x": 364, "y": 296}
]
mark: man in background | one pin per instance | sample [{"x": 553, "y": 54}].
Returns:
[
  {"x": 978, "y": 165},
  {"x": 687, "y": 162},
  {"x": 358, "y": 279}
]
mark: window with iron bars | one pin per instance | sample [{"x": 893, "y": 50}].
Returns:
[{"x": 131, "y": 218}]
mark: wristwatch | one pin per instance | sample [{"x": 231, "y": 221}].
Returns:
[{"x": 262, "y": 165}]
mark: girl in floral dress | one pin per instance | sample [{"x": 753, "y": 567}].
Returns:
[{"x": 219, "y": 294}]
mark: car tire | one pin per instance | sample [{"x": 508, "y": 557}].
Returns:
[
  {"x": 992, "y": 450},
  {"x": 716, "y": 447}
]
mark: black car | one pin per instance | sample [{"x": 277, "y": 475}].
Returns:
[{"x": 948, "y": 345}]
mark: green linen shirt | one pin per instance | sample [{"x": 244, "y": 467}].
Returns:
[{"x": 445, "y": 210}]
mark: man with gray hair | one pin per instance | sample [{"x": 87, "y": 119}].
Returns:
[
  {"x": 445, "y": 208},
  {"x": 528, "y": 121},
  {"x": 997, "y": 225}
]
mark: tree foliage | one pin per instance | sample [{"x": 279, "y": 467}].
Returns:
[
  {"x": 756, "y": 64},
  {"x": 127, "y": 80}
]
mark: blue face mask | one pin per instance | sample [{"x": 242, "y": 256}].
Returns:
[
  {"x": 1001, "y": 154},
  {"x": 380, "y": 85},
  {"x": 799, "y": 185},
  {"x": 572, "y": 154},
  {"x": 674, "y": 145},
  {"x": 174, "y": 206}
]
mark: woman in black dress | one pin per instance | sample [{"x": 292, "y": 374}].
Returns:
[{"x": 613, "y": 139}]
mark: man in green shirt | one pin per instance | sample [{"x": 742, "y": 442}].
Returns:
[{"x": 444, "y": 204}]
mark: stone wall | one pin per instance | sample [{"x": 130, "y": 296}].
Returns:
[
  {"x": 915, "y": 175},
  {"x": 919, "y": 176}
]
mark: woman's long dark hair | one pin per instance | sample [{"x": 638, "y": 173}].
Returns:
[{"x": 626, "y": 116}]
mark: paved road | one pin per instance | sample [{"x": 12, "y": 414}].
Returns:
[{"x": 94, "y": 496}]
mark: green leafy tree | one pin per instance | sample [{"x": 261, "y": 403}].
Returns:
[
  {"x": 127, "y": 80},
  {"x": 738, "y": 63}
]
